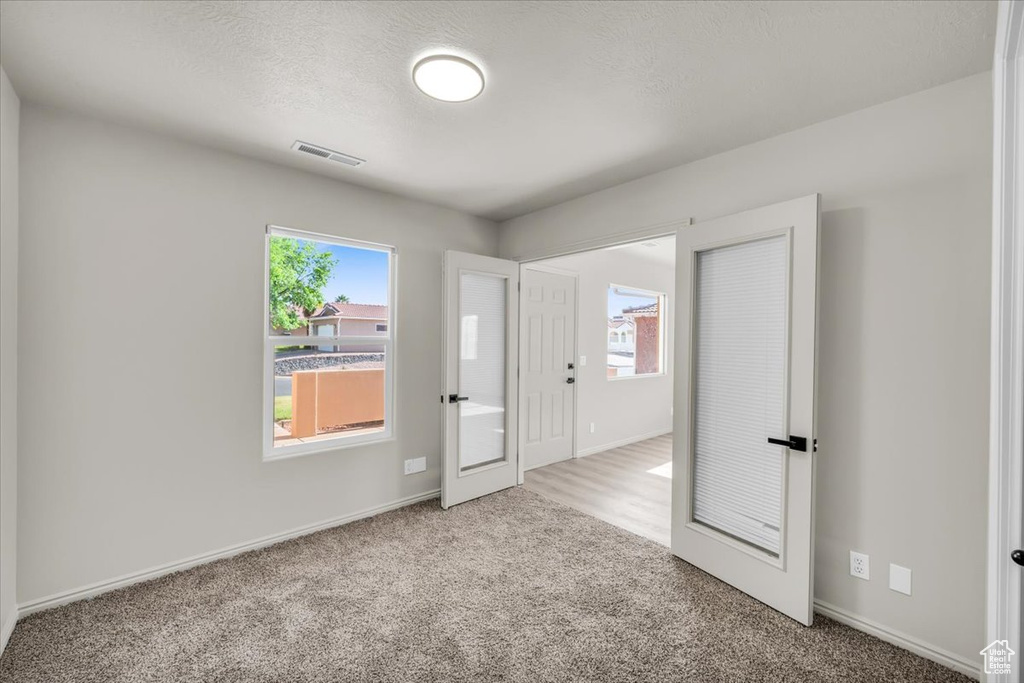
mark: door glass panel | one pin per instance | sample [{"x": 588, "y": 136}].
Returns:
[
  {"x": 740, "y": 351},
  {"x": 482, "y": 332}
]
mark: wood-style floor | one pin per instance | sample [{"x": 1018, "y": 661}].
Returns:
[{"x": 616, "y": 486}]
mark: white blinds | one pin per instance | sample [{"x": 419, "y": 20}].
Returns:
[
  {"x": 741, "y": 325},
  {"x": 482, "y": 316}
]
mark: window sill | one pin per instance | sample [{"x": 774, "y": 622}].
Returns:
[
  {"x": 643, "y": 376},
  {"x": 325, "y": 446}
]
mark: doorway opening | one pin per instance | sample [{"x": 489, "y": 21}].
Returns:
[{"x": 596, "y": 382}]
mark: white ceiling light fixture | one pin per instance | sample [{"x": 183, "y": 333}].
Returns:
[{"x": 448, "y": 78}]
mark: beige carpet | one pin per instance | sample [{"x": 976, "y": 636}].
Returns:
[{"x": 512, "y": 587}]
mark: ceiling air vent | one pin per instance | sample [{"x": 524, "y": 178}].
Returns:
[{"x": 328, "y": 154}]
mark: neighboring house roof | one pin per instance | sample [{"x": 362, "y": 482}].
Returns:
[
  {"x": 641, "y": 311},
  {"x": 616, "y": 323},
  {"x": 357, "y": 311}
]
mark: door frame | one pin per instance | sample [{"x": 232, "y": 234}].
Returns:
[
  {"x": 615, "y": 239},
  {"x": 1004, "y": 614},
  {"x": 535, "y": 261},
  {"x": 521, "y": 426}
]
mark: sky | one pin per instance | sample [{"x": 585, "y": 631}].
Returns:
[
  {"x": 360, "y": 274},
  {"x": 616, "y": 302}
]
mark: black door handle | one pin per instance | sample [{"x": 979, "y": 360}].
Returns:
[
  {"x": 455, "y": 398},
  {"x": 1018, "y": 556},
  {"x": 571, "y": 380},
  {"x": 793, "y": 443}
]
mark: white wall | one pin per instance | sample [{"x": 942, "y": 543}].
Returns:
[
  {"x": 141, "y": 336},
  {"x": 903, "y": 397},
  {"x": 10, "y": 109},
  {"x": 622, "y": 410}
]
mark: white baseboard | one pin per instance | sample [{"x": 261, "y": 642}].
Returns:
[
  {"x": 7, "y": 629},
  {"x": 621, "y": 442},
  {"x": 92, "y": 590},
  {"x": 918, "y": 647}
]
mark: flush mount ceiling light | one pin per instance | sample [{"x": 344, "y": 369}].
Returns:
[{"x": 448, "y": 78}]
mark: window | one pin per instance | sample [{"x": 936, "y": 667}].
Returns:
[
  {"x": 636, "y": 336},
  {"x": 328, "y": 376}
]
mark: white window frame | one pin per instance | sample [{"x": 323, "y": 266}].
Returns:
[
  {"x": 271, "y": 341},
  {"x": 662, "y": 324}
]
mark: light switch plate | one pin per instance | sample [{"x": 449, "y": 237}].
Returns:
[
  {"x": 583, "y": 361},
  {"x": 415, "y": 465},
  {"x": 899, "y": 579}
]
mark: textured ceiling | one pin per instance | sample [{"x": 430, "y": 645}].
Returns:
[{"x": 580, "y": 95}]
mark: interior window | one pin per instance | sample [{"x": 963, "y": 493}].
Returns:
[{"x": 635, "y": 332}]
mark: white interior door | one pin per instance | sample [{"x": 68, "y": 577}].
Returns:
[
  {"x": 743, "y": 498},
  {"x": 481, "y": 312},
  {"x": 547, "y": 364}
]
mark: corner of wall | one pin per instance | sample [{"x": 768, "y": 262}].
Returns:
[{"x": 10, "y": 111}]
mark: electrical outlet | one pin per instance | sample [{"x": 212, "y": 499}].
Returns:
[
  {"x": 415, "y": 465},
  {"x": 593, "y": 428},
  {"x": 899, "y": 579},
  {"x": 583, "y": 361},
  {"x": 859, "y": 565}
]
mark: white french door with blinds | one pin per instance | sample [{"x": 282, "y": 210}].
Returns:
[
  {"x": 481, "y": 318},
  {"x": 743, "y": 494},
  {"x": 744, "y": 427}
]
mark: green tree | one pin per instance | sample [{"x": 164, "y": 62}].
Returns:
[
  {"x": 341, "y": 299},
  {"x": 298, "y": 275}
]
